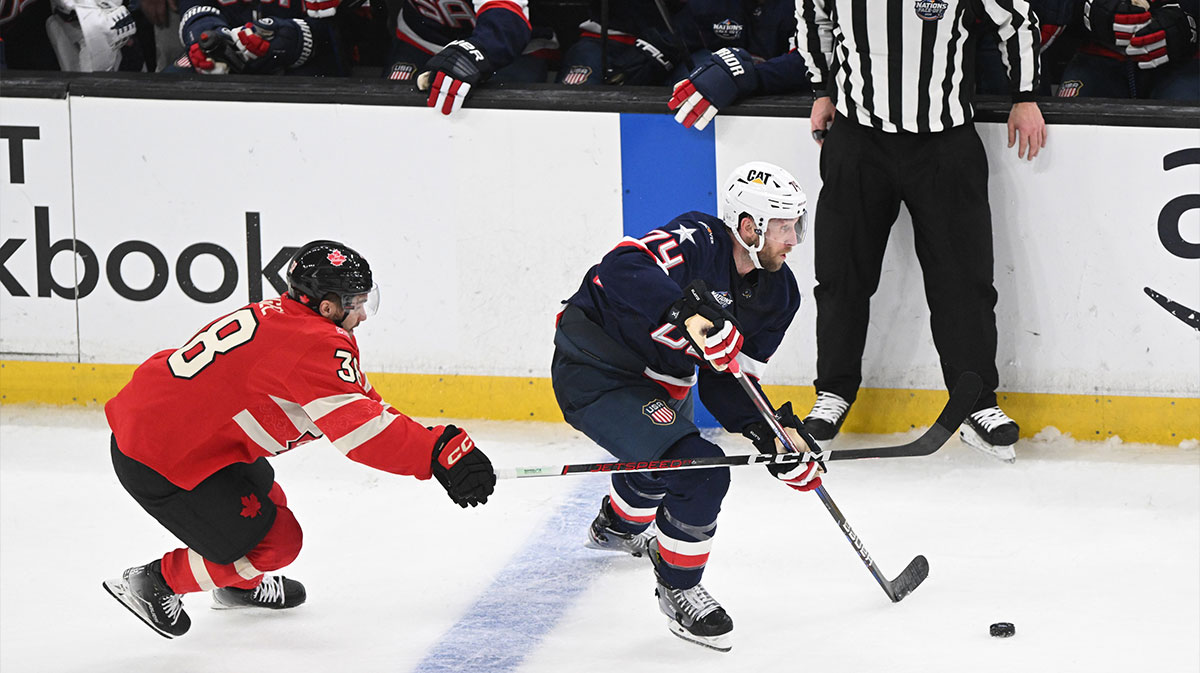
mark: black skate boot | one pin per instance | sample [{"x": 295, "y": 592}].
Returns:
[
  {"x": 992, "y": 432},
  {"x": 274, "y": 592},
  {"x": 826, "y": 417},
  {"x": 693, "y": 614},
  {"x": 602, "y": 536},
  {"x": 145, "y": 593}
]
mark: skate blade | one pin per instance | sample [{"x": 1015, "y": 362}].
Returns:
[
  {"x": 972, "y": 439},
  {"x": 593, "y": 543},
  {"x": 120, "y": 592},
  {"x": 721, "y": 643}
]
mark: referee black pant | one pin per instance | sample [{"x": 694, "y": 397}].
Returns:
[{"x": 942, "y": 179}]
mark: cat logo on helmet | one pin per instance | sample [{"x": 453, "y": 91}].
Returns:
[{"x": 762, "y": 192}]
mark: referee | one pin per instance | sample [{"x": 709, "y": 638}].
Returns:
[{"x": 893, "y": 82}]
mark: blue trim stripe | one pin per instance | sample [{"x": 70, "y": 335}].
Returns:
[
  {"x": 666, "y": 170},
  {"x": 530, "y": 595}
]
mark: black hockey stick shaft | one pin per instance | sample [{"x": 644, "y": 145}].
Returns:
[
  {"x": 918, "y": 568},
  {"x": 962, "y": 398}
]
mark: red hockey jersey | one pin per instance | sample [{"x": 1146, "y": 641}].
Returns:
[{"x": 257, "y": 382}]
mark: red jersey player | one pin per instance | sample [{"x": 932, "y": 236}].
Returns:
[{"x": 193, "y": 429}]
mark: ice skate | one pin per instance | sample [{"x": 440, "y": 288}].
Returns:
[
  {"x": 992, "y": 432},
  {"x": 826, "y": 417},
  {"x": 275, "y": 592},
  {"x": 601, "y": 534},
  {"x": 693, "y": 614},
  {"x": 144, "y": 592}
]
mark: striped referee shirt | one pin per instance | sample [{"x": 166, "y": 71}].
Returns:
[{"x": 898, "y": 65}]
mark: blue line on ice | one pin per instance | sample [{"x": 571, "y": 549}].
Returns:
[{"x": 529, "y": 596}]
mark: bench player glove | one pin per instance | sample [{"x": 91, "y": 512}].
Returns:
[
  {"x": 215, "y": 54},
  {"x": 1168, "y": 37},
  {"x": 801, "y": 476},
  {"x": 271, "y": 45},
  {"x": 463, "y": 470},
  {"x": 450, "y": 74},
  {"x": 727, "y": 76},
  {"x": 707, "y": 325},
  {"x": 1113, "y": 22},
  {"x": 320, "y": 9}
]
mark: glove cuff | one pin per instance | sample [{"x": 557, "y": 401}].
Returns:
[
  {"x": 306, "y": 43},
  {"x": 197, "y": 20}
]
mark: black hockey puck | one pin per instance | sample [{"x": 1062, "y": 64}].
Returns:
[{"x": 1002, "y": 630}]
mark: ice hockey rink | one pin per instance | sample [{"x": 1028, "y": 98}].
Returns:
[{"x": 1091, "y": 549}]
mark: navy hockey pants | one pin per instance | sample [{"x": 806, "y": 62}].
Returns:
[{"x": 602, "y": 393}]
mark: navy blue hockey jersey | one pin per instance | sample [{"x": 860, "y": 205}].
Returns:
[{"x": 630, "y": 290}]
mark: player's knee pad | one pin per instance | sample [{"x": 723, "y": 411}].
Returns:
[
  {"x": 712, "y": 483},
  {"x": 282, "y": 543}
]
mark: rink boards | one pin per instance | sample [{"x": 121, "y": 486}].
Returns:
[{"x": 163, "y": 214}]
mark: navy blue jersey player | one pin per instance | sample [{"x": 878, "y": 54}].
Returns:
[{"x": 700, "y": 291}]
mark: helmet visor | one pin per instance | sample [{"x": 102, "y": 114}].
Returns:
[
  {"x": 789, "y": 231},
  {"x": 366, "y": 302}
]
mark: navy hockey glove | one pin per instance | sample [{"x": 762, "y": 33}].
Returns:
[
  {"x": 642, "y": 63},
  {"x": 728, "y": 76},
  {"x": 450, "y": 74},
  {"x": 1113, "y": 22},
  {"x": 463, "y": 470},
  {"x": 801, "y": 476},
  {"x": 707, "y": 325},
  {"x": 271, "y": 45},
  {"x": 1168, "y": 37}
]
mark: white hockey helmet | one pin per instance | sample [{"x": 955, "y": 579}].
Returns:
[{"x": 764, "y": 192}]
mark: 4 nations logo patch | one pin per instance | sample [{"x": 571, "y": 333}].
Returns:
[
  {"x": 659, "y": 412},
  {"x": 728, "y": 29},
  {"x": 930, "y": 10}
]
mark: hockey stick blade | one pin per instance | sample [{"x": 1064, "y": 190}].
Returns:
[
  {"x": 907, "y": 581},
  {"x": 958, "y": 407}
]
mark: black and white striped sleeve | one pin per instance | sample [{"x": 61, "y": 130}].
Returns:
[
  {"x": 1020, "y": 38},
  {"x": 814, "y": 41}
]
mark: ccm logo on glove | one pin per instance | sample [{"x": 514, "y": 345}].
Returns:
[{"x": 455, "y": 450}]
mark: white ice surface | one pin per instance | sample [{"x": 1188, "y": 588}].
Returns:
[{"x": 1092, "y": 550}]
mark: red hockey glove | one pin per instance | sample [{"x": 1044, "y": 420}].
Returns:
[
  {"x": 450, "y": 74},
  {"x": 707, "y": 325},
  {"x": 463, "y": 470},
  {"x": 1168, "y": 37}
]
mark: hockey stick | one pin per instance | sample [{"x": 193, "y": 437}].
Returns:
[
  {"x": 962, "y": 398},
  {"x": 918, "y": 569}
]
